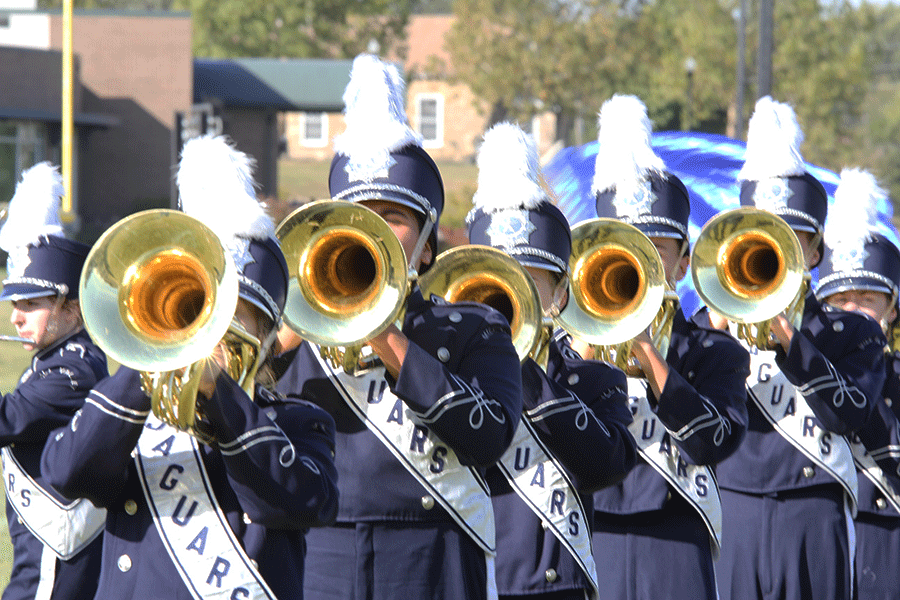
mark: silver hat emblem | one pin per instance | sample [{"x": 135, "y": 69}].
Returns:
[
  {"x": 369, "y": 166},
  {"x": 848, "y": 257},
  {"x": 636, "y": 200},
  {"x": 772, "y": 194},
  {"x": 510, "y": 228},
  {"x": 240, "y": 252},
  {"x": 17, "y": 261}
]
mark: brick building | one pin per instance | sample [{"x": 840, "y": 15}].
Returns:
[
  {"x": 133, "y": 72},
  {"x": 447, "y": 114}
]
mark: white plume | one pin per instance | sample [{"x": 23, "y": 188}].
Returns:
[
  {"x": 34, "y": 209},
  {"x": 625, "y": 156},
  {"x": 508, "y": 170},
  {"x": 854, "y": 215},
  {"x": 375, "y": 114},
  {"x": 773, "y": 143},
  {"x": 215, "y": 183}
]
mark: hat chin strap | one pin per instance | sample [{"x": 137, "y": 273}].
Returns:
[{"x": 427, "y": 227}]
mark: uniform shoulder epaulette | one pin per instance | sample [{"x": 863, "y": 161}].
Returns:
[{"x": 267, "y": 397}]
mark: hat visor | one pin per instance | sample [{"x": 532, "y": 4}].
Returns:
[
  {"x": 24, "y": 291},
  {"x": 250, "y": 295},
  {"x": 852, "y": 283},
  {"x": 659, "y": 230}
]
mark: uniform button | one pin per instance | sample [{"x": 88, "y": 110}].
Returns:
[
  {"x": 443, "y": 354},
  {"x": 573, "y": 379},
  {"x": 881, "y": 503},
  {"x": 124, "y": 563},
  {"x": 545, "y": 524},
  {"x": 668, "y": 496},
  {"x": 246, "y": 519},
  {"x": 838, "y": 326},
  {"x": 808, "y": 472},
  {"x": 707, "y": 343},
  {"x": 254, "y": 563},
  {"x": 130, "y": 507},
  {"x": 888, "y": 401},
  {"x": 455, "y": 317},
  {"x": 427, "y": 502},
  {"x": 550, "y": 575}
]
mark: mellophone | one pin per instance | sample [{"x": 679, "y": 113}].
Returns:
[{"x": 159, "y": 290}]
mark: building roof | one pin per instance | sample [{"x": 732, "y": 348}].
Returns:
[
  {"x": 98, "y": 120},
  {"x": 312, "y": 85}
]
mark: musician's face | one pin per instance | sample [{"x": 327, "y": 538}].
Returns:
[
  {"x": 402, "y": 220},
  {"x": 551, "y": 288},
  {"x": 810, "y": 252},
  {"x": 674, "y": 262},
  {"x": 42, "y": 320},
  {"x": 877, "y": 305}
]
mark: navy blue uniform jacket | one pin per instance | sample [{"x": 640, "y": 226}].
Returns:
[
  {"x": 579, "y": 409},
  {"x": 48, "y": 394},
  {"x": 706, "y": 384},
  {"x": 471, "y": 396},
  {"x": 881, "y": 437},
  {"x": 268, "y": 504},
  {"x": 830, "y": 344}
]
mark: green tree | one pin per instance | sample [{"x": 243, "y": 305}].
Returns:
[
  {"x": 568, "y": 57},
  {"x": 524, "y": 57},
  {"x": 282, "y": 28},
  {"x": 308, "y": 28}
]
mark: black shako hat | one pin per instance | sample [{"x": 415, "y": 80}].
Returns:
[
  {"x": 378, "y": 156},
  {"x": 630, "y": 181},
  {"x": 216, "y": 186},
  {"x": 774, "y": 176},
  {"x": 857, "y": 257},
  {"x": 41, "y": 260},
  {"x": 512, "y": 211}
]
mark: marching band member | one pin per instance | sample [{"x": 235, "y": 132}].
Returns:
[
  {"x": 573, "y": 438},
  {"x": 656, "y": 533},
  {"x": 223, "y": 515},
  {"x": 436, "y": 402},
  {"x": 789, "y": 491},
  {"x": 56, "y": 543},
  {"x": 861, "y": 272}
]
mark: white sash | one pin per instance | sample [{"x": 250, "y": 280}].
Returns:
[
  {"x": 791, "y": 416},
  {"x": 66, "y": 529},
  {"x": 459, "y": 489},
  {"x": 696, "y": 483},
  {"x": 190, "y": 522},
  {"x": 545, "y": 488},
  {"x": 868, "y": 467}
]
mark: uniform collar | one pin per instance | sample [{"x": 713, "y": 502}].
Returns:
[{"x": 55, "y": 345}]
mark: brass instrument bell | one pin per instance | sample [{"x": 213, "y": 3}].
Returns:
[
  {"x": 617, "y": 283},
  {"x": 475, "y": 273},
  {"x": 747, "y": 265}
]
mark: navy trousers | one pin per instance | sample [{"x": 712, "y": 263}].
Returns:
[
  {"x": 653, "y": 555},
  {"x": 390, "y": 561},
  {"x": 877, "y": 557},
  {"x": 794, "y": 545}
]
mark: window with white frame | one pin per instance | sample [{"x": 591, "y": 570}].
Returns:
[
  {"x": 430, "y": 119},
  {"x": 314, "y": 129}
]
